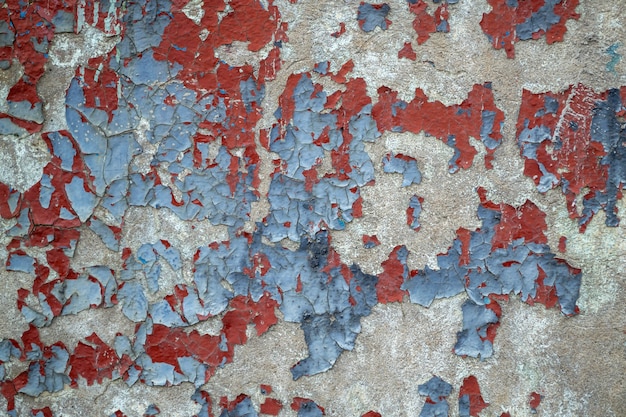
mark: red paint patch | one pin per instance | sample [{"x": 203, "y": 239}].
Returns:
[
  {"x": 407, "y": 52},
  {"x": 93, "y": 362},
  {"x": 370, "y": 241},
  {"x": 534, "y": 401},
  {"x": 388, "y": 287},
  {"x": 457, "y": 122},
  {"x": 271, "y": 406},
  {"x": 471, "y": 388},
  {"x": 501, "y": 23},
  {"x": 426, "y": 24}
]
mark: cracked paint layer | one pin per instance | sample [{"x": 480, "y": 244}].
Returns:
[
  {"x": 510, "y": 21},
  {"x": 575, "y": 140},
  {"x": 161, "y": 122}
]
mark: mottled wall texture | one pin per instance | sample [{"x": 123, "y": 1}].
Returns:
[{"x": 312, "y": 208}]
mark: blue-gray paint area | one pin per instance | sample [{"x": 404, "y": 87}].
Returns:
[
  {"x": 371, "y": 16},
  {"x": 405, "y": 165},
  {"x": 472, "y": 339},
  {"x": 436, "y": 390},
  {"x": 608, "y": 130}
]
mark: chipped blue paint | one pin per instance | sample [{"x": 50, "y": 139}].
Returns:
[
  {"x": 370, "y": 17},
  {"x": 436, "y": 390},
  {"x": 540, "y": 21},
  {"x": 20, "y": 263},
  {"x": 415, "y": 207},
  {"x": 472, "y": 339},
  {"x": 244, "y": 408},
  {"x": 607, "y": 129},
  {"x": 615, "y": 57},
  {"x": 404, "y": 165},
  {"x": 105, "y": 233}
]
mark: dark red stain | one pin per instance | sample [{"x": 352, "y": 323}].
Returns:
[
  {"x": 562, "y": 244},
  {"x": 436, "y": 119},
  {"x": 407, "y": 52},
  {"x": 499, "y": 24},
  {"x": 471, "y": 388},
  {"x": 371, "y": 414},
  {"x": 271, "y": 406}
]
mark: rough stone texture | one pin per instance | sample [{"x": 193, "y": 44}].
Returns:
[{"x": 577, "y": 364}]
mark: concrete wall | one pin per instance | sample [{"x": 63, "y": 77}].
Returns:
[{"x": 312, "y": 207}]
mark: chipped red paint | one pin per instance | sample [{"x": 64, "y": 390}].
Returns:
[
  {"x": 471, "y": 388},
  {"x": 271, "y": 406},
  {"x": 93, "y": 362},
  {"x": 388, "y": 288},
  {"x": 453, "y": 125},
  {"x": 370, "y": 241},
  {"x": 341, "y": 31},
  {"x": 407, "y": 52},
  {"x": 567, "y": 150},
  {"x": 534, "y": 401},
  {"x": 299, "y": 402},
  {"x": 527, "y": 222},
  {"x": 562, "y": 244},
  {"x": 50, "y": 216},
  {"x": 502, "y": 24},
  {"x": 426, "y": 24}
]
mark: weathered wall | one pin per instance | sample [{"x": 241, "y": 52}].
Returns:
[{"x": 338, "y": 200}]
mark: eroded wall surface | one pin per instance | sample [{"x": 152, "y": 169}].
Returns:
[{"x": 271, "y": 207}]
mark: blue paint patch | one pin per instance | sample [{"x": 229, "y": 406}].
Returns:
[
  {"x": 436, "y": 390},
  {"x": 405, "y": 165},
  {"x": 472, "y": 339},
  {"x": 20, "y": 263},
  {"x": 615, "y": 57},
  {"x": 371, "y": 16}
]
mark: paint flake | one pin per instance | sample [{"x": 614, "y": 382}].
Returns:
[
  {"x": 436, "y": 391},
  {"x": 471, "y": 402},
  {"x": 370, "y": 16}
]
